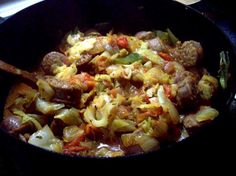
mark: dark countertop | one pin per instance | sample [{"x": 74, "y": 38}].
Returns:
[{"x": 222, "y": 13}]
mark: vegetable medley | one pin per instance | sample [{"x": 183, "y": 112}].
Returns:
[{"x": 114, "y": 95}]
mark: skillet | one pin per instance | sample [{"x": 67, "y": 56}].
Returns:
[{"x": 30, "y": 34}]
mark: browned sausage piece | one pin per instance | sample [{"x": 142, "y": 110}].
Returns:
[
  {"x": 187, "y": 94},
  {"x": 188, "y": 54},
  {"x": 10, "y": 123},
  {"x": 27, "y": 127},
  {"x": 183, "y": 74},
  {"x": 57, "y": 127},
  {"x": 65, "y": 92},
  {"x": 51, "y": 60},
  {"x": 13, "y": 125}
]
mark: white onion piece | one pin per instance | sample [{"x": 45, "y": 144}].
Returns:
[
  {"x": 44, "y": 138},
  {"x": 46, "y": 107},
  {"x": 167, "y": 105}
]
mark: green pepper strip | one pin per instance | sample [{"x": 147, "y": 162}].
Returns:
[
  {"x": 162, "y": 35},
  {"x": 172, "y": 37},
  {"x": 133, "y": 57},
  {"x": 224, "y": 69}
]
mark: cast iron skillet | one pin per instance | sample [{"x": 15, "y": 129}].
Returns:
[{"x": 30, "y": 34}]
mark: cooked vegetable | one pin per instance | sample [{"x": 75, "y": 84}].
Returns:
[
  {"x": 172, "y": 37},
  {"x": 47, "y": 107},
  {"x": 206, "y": 113},
  {"x": 165, "y": 56},
  {"x": 207, "y": 86},
  {"x": 45, "y": 90},
  {"x": 122, "y": 42},
  {"x": 114, "y": 95},
  {"x": 121, "y": 125},
  {"x": 164, "y": 36},
  {"x": 44, "y": 138},
  {"x": 74, "y": 38},
  {"x": 65, "y": 72},
  {"x": 154, "y": 128},
  {"x": 99, "y": 118},
  {"x": 167, "y": 105},
  {"x": 105, "y": 150},
  {"x": 146, "y": 142},
  {"x": 223, "y": 72},
  {"x": 81, "y": 46},
  {"x": 71, "y": 132},
  {"x": 200, "y": 118},
  {"x": 150, "y": 77},
  {"x": 27, "y": 117},
  {"x": 133, "y": 57},
  {"x": 149, "y": 54},
  {"x": 69, "y": 116},
  {"x": 167, "y": 37},
  {"x": 146, "y": 125}
]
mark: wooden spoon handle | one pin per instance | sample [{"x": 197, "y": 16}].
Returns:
[{"x": 17, "y": 72}]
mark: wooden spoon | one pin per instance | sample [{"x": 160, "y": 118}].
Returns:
[{"x": 31, "y": 78}]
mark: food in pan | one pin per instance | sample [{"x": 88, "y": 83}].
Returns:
[{"x": 114, "y": 95}]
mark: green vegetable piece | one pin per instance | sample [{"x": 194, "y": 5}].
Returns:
[
  {"x": 167, "y": 37},
  {"x": 131, "y": 58},
  {"x": 162, "y": 35},
  {"x": 172, "y": 37},
  {"x": 121, "y": 125},
  {"x": 223, "y": 72}
]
